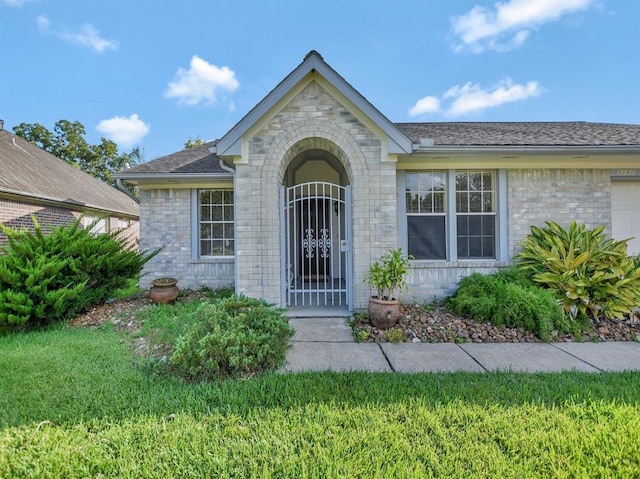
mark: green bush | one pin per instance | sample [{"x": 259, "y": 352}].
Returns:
[
  {"x": 232, "y": 337},
  {"x": 51, "y": 277},
  {"x": 508, "y": 298},
  {"x": 590, "y": 274}
]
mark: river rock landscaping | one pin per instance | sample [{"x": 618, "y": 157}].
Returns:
[{"x": 435, "y": 324}]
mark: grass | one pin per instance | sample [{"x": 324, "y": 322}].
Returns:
[{"x": 75, "y": 403}]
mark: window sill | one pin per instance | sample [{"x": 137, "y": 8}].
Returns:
[
  {"x": 461, "y": 263},
  {"x": 214, "y": 259}
]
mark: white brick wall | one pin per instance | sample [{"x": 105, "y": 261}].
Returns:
[
  {"x": 312, "y": 120},
  {"x": 165, "y": 221}
]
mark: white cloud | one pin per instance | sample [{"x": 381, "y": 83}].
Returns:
[
  {"x": 471, "y": 98},
  {"x": 428, "y": 104},
  {"x": 509, "y": 25},
  {"x": 88, "y": 36},
  {"x": 124, "y": 131},
  {"x": 201, "y": 82}
]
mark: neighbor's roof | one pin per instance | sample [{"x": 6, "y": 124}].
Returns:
[
  {"x": 30, "y": 172},
  {"x": 570, "y": 133}
]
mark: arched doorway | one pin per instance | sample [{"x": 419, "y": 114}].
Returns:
[{"x": 316, "y": 239}]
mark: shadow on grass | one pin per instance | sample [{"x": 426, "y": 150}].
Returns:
[{"x": 73, "y": 375}]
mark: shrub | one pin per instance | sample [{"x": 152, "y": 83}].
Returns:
[
  {"x": 232, "y": 337},
  {"x": 508, "y": 298},
  {"x": 590, "y": 273},
  {"x": 51, "y": 277}
]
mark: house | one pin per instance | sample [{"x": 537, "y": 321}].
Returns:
[
  {"x": 296, "y": 200},
  {"x": 36, "y": 183}
]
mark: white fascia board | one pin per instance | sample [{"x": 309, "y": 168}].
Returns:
[
  {"x": 231, "y": 143},
  {"x": 506, "y": 151},
  {"x": 175, "y": 177}
]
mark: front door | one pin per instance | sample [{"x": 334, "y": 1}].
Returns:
[
  {"x": 316, "y": 231},
  {"x": 316, "y": 269}
]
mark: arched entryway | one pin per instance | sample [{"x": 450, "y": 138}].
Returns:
[{"x": 316, "y": 234}]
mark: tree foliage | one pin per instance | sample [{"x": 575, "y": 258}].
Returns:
[
  {"x": 193, "y": 143},
  {"x": 67, "y": 142}
]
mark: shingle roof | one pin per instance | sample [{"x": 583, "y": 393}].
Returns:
[
  {"x": 196, "y": 160},
  {"x": 199, "y": 160},
  {"x": 29, "y": 171},
  {"x": 574, "y": 133}
]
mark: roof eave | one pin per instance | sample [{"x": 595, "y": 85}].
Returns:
[
  {"x": 230, "y": 143},
  {"x": 172, "y": 176},
  {"x": 65, "y": 203},
  {"x": 526, "y": 150}
]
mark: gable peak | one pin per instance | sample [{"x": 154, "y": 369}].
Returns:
[{"x": 311, "y": 54}]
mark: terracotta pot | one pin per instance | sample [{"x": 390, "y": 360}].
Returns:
[
  {"x": 164, "y": 290},
  {"x": 383, "y": 314}
]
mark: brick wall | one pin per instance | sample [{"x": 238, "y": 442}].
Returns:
[
  {"x": 559, "y": 195},
  {"x": 312, "y": 120},
  {"x": 17, "y": 214},
  {"x": 165, "y": 221}
]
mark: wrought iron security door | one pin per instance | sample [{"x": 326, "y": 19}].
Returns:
[{"x": 316, "y": 266}]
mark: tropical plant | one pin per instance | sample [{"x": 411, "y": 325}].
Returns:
[
  {"x": 591, "y": 274},
  {"x": 389, "y": 274}
]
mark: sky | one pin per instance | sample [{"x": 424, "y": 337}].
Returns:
[{"x": 155, "y": 73}]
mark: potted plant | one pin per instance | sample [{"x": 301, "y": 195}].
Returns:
[
  {"x": 387, "y": 276},
  {"x": 164, "y": 290}
]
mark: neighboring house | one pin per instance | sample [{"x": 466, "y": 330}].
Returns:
[
  {"x": 297, "y": 200},
  {"x": 34, "y": 183}
]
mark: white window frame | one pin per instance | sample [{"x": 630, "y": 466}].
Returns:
[
  {"x": 501, "y": 205},
  {"x": 196, "y": 222}
]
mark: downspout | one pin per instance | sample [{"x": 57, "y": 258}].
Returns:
[
  {"x": 235, "y": 253},
  {"x": 125, "y": 190}
]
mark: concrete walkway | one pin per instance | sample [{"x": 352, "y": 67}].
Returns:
[{"x": 322, "y": 344}]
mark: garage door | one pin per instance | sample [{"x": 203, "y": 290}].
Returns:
[{"x": 625, "y": 213}]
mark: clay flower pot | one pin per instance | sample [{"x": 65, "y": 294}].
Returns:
[
  {"x": 383, "y": 314},
  {"x": 164, "y": 290}
]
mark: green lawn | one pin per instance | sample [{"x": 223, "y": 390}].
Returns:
[{"x": 108, "y": 416}]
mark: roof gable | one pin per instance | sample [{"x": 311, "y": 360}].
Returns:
[
  {"x": 31, "y": 172},
  {"x": 230, "y": 144}
]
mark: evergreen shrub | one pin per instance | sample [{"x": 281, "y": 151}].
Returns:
[
  {"x": 51, "y": 277},
  {"x": 232, "y": 337},
  {"x": 508, "y": 298}
]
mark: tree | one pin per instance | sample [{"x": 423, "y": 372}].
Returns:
[
  {"x": 67, "y": 142},
  {"x": 193, "y": 143}
]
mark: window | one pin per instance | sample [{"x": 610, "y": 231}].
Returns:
[
  {"x": 475, "y": 214},
  {"x": 215, "y": 222},
  {"x": 451, "y": 214},
  {"x": 97, "y": 224},
  {"x": 426, "y": 214}
]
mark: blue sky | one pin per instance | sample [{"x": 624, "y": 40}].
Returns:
[{"x": 153, "y": 73}]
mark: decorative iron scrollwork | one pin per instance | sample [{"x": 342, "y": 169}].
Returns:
[
  {"x": 324, "y": 243},
  {"x": 309, "y": 242}
]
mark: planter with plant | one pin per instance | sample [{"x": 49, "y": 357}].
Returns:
[
  {"x": 164, "y": 290},
  {"x": 387, "y": 276}
]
